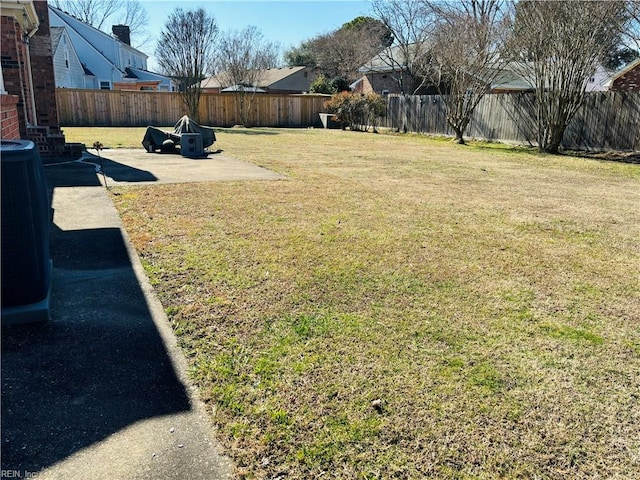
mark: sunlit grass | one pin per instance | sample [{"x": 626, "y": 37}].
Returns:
[{"x": 405, "y": 308}]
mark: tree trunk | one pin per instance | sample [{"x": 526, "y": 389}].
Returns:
[
  {"x": 192, "y": 100},
  {"x": 458, "y": 127},
  {"x": 556, "y": 133},
  {"x": 459, "y": 136}
]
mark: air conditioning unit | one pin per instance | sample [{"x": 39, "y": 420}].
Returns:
[
  {"x": 26, "y": 260},
  {"x": 191, "y": 145}
]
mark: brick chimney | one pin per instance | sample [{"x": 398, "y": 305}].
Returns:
[{"x": 122, "y": 32}]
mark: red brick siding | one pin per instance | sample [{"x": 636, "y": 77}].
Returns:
[
  {"x": 14, "y": 68},
  {"x": 377, "y": 82},
  {"x": 389, "y": 82},
  {"x": 629, "y": 82},
  {"x": 43, "y": 73},
  {"x": 44, "y": 129},
  {"x": 10, "y": 124}
]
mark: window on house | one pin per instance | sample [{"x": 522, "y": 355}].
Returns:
[
  {"x": 105, "y": 85},
  {"x": 385, "y": 93},
  {"x": 66, "y": 59}
]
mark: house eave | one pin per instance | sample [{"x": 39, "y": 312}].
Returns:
[
  {"x": 369, "y": 69},
  {"x": 24, "y": 13}
]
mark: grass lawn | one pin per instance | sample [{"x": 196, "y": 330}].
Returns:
[{"x": 403, "y": 307}]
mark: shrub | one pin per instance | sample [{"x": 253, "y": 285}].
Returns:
[
  {"x": 357, "y": 111},
  {"x": 376, "y": 108},
  {"x": 340, "y": 84}
]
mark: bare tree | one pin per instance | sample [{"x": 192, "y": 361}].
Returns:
[
  {"x": 628, "y": 49},
  {"x": 558, "y": 46},
  {"x": 634, "y": 14},
  {"x": 342, "y": 52},
  {"x": 408, "y": 59},
  {"x": 632, "y": 35},
  {"x": 241, "y": 62},
  {"x": 185, "y": 52},
  {"x": 134, "y": 15},
  {"x": 93, "y": 12},
  {"x": 468, "y": 51}
]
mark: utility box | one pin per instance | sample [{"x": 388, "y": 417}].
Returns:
[
  {"x": 191, "y": 145},
  {"x": 26, "y": 218}
]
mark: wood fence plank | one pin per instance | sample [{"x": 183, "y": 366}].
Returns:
[{"x": 606, "y": 120}]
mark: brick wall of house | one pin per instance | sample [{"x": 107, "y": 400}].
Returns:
[
  {"x": 388, "y": 83},
  {"x": 14, "y": 69},
  {"x": 629, "y": 82},
  {"x": 379, "y": 82},
  {"x": 43, "y": 73},
  {"x": 43, "y": 126},
  {"x": 10, "y": 123}
]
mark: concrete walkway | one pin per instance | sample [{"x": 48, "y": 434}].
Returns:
[
  {"x": 100, "y": 391},
  {"x": 129, "y": 166}
]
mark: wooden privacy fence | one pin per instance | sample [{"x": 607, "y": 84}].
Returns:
[
  {"x": 80, "y": 107},
  {"x": 607, "y": 120}
]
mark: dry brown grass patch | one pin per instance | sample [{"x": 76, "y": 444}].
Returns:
[{"x": 486, "y": 301}]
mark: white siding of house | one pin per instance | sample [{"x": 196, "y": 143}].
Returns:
[
  {"x": 132, "y": 59},
  {"x": 68, "y": 70},
  {"x": 103, "y": 55},
  {"x": 598, "y": 81},
  {"x": 95, "y": 62},
  {"x": 100, "y": 41}
]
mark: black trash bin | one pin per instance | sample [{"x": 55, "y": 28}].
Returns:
[{"x": 26, "y": 259}]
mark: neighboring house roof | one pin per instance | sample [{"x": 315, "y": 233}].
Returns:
[
  {"x": 274, "y": 76},
  {"x": 391, "y": 59},
  {"x": 623, "y": 71},
  {"x": 509, "y": 80},
  {"x": 292, "y": 78},
  {"x": 242, "y": 88},
  {"x": 86, "y": 38},
  {"x": 141, "y": 74},
  {"x": 211, "y": 82},
  {"x": 102, "y": 55},
  {"x": 87, "y": 71},
  {"x": 56, "y": 34},
  {"x": 95, "y": 37},
  {"x": 514, "y": 78}
]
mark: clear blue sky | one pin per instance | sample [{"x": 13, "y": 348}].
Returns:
[{"x": 285, "y": 22}]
